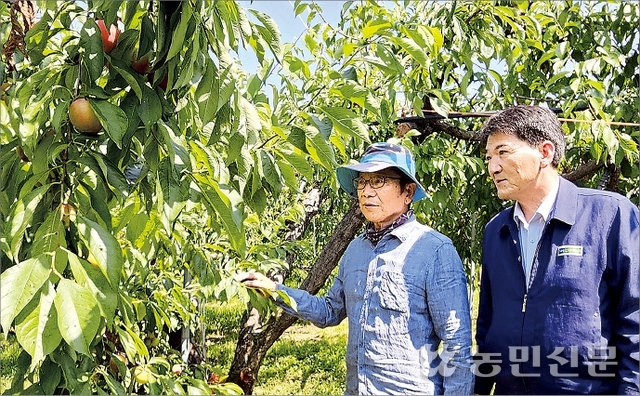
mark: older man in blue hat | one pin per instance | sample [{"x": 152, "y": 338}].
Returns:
[{"x": 401, "y": 285}]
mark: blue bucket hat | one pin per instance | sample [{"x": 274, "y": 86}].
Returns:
[{"x": 377, "y": 157}]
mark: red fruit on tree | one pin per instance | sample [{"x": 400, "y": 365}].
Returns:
[
  {"x": 83, "y": 117},
  {"x": 141, "y": 65},
  {"x": 163, "y": 83},
  {"x": 109, "y": 37}
]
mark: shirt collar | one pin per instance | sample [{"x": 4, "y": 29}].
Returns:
[{"x": 544, "y": 210}]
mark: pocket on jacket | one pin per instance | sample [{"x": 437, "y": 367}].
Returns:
[{"x": 393, "y": 292}]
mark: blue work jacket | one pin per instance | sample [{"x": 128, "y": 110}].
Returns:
[
  {"x": 574, "y": 328},
  {"x": 404, "y": 298}
]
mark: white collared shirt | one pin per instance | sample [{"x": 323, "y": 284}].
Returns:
[{"x": 531, "y": 231}]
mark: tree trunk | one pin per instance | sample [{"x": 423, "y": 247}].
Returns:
[{"x": 255, "y": 340}]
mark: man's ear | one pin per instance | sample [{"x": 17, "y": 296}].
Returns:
[
  {"x": 547, "y": 149},
  {"x": 411, "y": 191}
]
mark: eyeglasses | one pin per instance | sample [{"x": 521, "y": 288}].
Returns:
[{"x": 375, "y": 182}]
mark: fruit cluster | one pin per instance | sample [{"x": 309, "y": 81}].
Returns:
[{"x": 82, "y": 114}]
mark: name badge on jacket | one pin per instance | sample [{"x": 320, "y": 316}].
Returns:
[{"x": 570, "y": 250}]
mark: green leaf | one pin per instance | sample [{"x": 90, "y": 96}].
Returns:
[
  {"x": 412, "y": 48},
  {"x": 104, "y": 248},
  {"x": 251, "y": 120},
  {"x": 50, "y": 235},
  {"x": 557, "y": 76},
  {"x": 297, "y": 138},
  {"x": 115, "y": 386},
  {"x": 91, "y": 277},
  {"x": 19, "y": 284},
  {"x": 270, "y": 172},
  {"x": 150, "y": 109},
  {"x": 147, "y": 34},
  {"x": 133, "y": 345},
  {"x": 373, "y": 27},
  {"x": 22, "y": 216},
  {"x": 112, "y": 118},
  {"x": 114, "y": 178},
  {"x": 287, "y": 299},
  {"x": 610, "y": 139},
  {"x": 270, "y": 33},
  {"x": 78, "y": 315},
  {"x": 130, "y": 78},
  {"x": 179, "y": 34},
  {"x": 93, "y": 54},
  {"x": 288, "y": 174},
  {"x": 298, "y": 161},
  {"x": 51, "y": 380},
  {"x": 387, "y": 61},
  {"x": 319, "y": 149},
  {"x": 214, "y": 91},
  {"x": 438, "y": 39},
  {"x": 347, "y": 122},
  {"x": 228, "y": 204},
  {"x": 167, "y": 135},
  {"x": 37, "y": 327}
]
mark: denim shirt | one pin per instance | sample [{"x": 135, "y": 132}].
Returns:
[
  {"x": 403, "y": 298},
  {"x": 575, "y": 330}
]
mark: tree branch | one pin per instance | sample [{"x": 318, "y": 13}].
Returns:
[{"x": 583, "y": 171}]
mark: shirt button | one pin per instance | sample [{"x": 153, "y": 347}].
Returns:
[{"x": 531, "y": 241}]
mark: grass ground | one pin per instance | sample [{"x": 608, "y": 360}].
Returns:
[
  {"x": 9, "y": 351},
  {"x": 306, "y": 360}
]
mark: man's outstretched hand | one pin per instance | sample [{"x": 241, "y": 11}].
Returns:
[{"x": 256, "y": 280}]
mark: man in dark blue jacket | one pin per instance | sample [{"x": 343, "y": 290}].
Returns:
[{"x": 560, "y": 271}]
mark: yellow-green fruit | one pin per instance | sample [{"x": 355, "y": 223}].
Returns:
[
  {"x": 83, "y": 117},
  {"x": 141, "y": 374}
]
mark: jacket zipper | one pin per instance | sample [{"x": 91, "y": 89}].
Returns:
[
  {"x": 533, "y": 266},
  {"x": 532, "y": 275}
]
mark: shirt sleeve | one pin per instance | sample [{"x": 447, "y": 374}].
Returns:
[
  {"x": 448, "y": 304},
  {"x": 624, "y": 243},
  {"x": 321, "y": 311}
]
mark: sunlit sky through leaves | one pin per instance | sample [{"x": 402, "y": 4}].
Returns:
[{"x": 291, "y": 27}]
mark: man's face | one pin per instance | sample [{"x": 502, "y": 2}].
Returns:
[
  {"x": 383, "y": 205},
  {"x": 514, "y": 165}
]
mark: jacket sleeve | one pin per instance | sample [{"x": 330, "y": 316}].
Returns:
[
  {"x": 624, "y": 243},
  {"x": 321, "y": 311},
  {"x": 448, "y": 306},
  {"x": 484, "y": 383}
]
